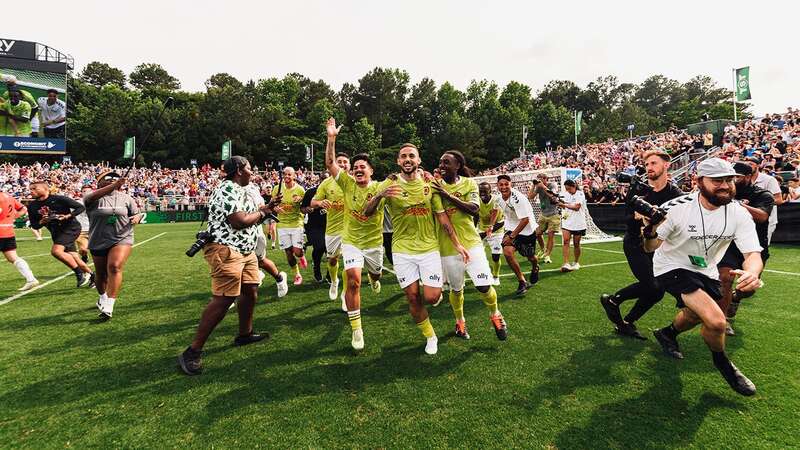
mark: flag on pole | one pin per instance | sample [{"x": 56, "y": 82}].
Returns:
[
  {"x": 130, "y": 148},
  {"x": 743, "y": 84},
  {"x": 308, "y": 153},
  {"x": 578, "y": 117},
  {"x": 226, "y": 150}
]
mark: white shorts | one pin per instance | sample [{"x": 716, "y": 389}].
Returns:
[
  {"x": 355, "y": 258},
  {"x": 477, "y": 268},
  {"x": 261, "y": 246},
  {"x": 290, "y": 237},
  {"x": 333, "y": 245},
  {"x": 426, "y": 268},
  {"x": 495, "y": 242}
]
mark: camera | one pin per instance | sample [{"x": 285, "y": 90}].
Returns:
[
  {"x": 638, "y": 184},
  {"x": 203, "y": 238},
  {"x": 654, "y": 213}
]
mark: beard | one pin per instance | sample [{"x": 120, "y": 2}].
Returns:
[
  {"x": 655, "y": 176},
  {"x": 409, "y": 170},
  {"x": 720, "y": 197}
]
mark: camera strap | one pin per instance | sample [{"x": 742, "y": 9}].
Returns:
[{"x": 703, "y": 225}]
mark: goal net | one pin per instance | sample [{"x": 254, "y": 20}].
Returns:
[{"x": 523, "y": 181}]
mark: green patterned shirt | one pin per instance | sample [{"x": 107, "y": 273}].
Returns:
[{"x": 227, "y": 199}]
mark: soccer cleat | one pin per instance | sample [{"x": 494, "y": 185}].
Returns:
[
  {"x": 500, "y": 327},
  {"x": 612, "y": 310},
  {"x": 629, "y": 329},
  {"x": 736, "y": 379},
  {"x": 522, "y": 288},
  {"x": 283, "y": 285},
  {"x": 534, "y": 278},
  {"x": 79, "y": 279},
  {"x": 303, "y": 262},
  {"x": 251, "y": 338},
  {"x": 376, "y": 285},
  {"x": 190, "y": 362},
  {"x": 566, "y": 267},
  {"x": 547, "y": 259},
  {"x": 91, "y": 280},
  {"x": 461, "y": 329},
  {"x": 333, "y": 291},
  {"x": 432, "y": 345},
  {"x": 358, "y": 340},
  {"x": 668, "y": 345},
  {"x": 318, "y": 276},
  {"x": 576, "y": 266},
  {"x": 298, "y": 280},
  {"x": 29, "y": 285},
  {"x": 99, "y": 304}
]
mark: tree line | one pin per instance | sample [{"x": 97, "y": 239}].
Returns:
[{"x": 275, "y": 118}]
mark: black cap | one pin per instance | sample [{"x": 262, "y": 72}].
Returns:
[
  {"x": 742, "y": 169},
  {"x": 232, "y": 165}
]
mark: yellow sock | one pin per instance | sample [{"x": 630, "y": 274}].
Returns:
[
  {"x": 490, "y": 300},
  {"x": 344, "y": 280},
  {"x": 426, "y": 328},
  {"x": 296, "y": 269},
  {"x": 457, "y": 302},
  {"x": 355, "y": 319},
  {"x": 333, "y": 271},
  {"x": 495, "y": 266}
]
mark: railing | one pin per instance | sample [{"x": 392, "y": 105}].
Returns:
[{"x": 682, "y": 165}]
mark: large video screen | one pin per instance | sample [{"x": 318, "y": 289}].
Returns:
[{"x": 33, "y": 111}]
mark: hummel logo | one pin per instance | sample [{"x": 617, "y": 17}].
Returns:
[{"x": 692, "y": 228}]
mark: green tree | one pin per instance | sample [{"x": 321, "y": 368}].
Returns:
[
  {"x": 153, "y": 76},
  {"x": 99, "y": 74}
]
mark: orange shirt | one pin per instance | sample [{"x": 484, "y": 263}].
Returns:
[{"x": 9, "y": 210}]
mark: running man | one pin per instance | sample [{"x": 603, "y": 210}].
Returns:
[
  {"x": 519, "y": 235},
  {"x": 490, "y": 221},
  {"x": 10, "y": 209},
  {"x": 290, "y": 224},
  {"x": 329, "y": 196}
]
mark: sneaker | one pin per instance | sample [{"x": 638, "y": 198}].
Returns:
[
  {"x": 190, "y": 362},
  {"x": 303, "y": 262},
  {"x": 461, "y": 329},
  {"x": 670, "y": 346},
  {"x": 629, "y": 330},
  {"x": 318, "y": 276},
  {"x": 522, "y": 288},
  {"x": 376, "y": 285},
  {"x": 333, "y": 292},
  {"x": 298, "y": 280},
  {"x": 500, "y": 327},
  {"x": 358, "y": 340},
  {"x": 261, "y": 276},
  {"x": 736, "y": 379},
  {"x": 251, "y": 338},
  {"x": 534, "y": 278},
  {"x": 344, "y": 302},
  {"x": 576, "y": 266},
  {"x": 81, "y": 280},
  {"x": 729, "y": 329},
  {"x": 283, "y": 285},
  {"x": 547, "y": 260},
  {"x": 566, "y": 267},
  {"x": 29, "y": 285},
  {"x": 612, "y": 310},
  {"x": 432, "y": 345},
  {"x": 91, "y": 280},
  {"x": 496, "y": 281},
  {"x": 99, "y": 304}
]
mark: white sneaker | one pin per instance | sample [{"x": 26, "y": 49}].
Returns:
[
  {"x": 432, "y": 345},
  {"x": 334, "y": 290},
  {"x": 106, "y": 308},
  {"x": 283, "y": 286},
  {"x": 344, "y": 303},
  {"x": 358, "y": 339},
  {"x": 29, "y": 285},
  {"x": 376, "y": 285},
  {"x": 261, "y": 276},
  {"x": 496, "y": 281},
  {"x": 566, "y": 267},
  {"x": 576, "y": 266},
  {"x": 547, "y": 260},
  {"x": 99, "y": 304}
]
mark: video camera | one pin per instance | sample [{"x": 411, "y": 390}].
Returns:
[
  {"x": 203, "y": 238},
  {"x": 638, "y": 183}
]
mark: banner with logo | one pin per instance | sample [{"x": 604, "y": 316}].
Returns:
[
  {"x": 29, "y": 145},
  {"x": 130, "y": 148},
  {"x": 743, "y": 84},
  {"x": 227, "y": 148}
]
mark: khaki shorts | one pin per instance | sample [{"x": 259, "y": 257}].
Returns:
[
  {"x": 229, "y": 269},
  {"x": 83, "y": 241},
  {"x": 549, "y": 224}
]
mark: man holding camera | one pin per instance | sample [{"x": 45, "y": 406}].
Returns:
[
  {"x": 550, "y": 220},
  {"x": 656, "y": 191},
  {"x": 688, "y": 245},
  {"x": 233, "y": 220}
]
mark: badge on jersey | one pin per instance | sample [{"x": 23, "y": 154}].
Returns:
[
  {"x": 111, "y": 220},
  {"x": 698, "y": 261}
]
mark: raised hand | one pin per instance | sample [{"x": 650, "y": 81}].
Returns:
[
  {"x": 331, "y": 128},
  {"x": 392, "y": 191}
]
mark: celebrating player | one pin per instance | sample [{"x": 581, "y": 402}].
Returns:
[
  {"x": 490, "y": 221},
  {"x": 290, "y": 224},
  {"x": 519, "y": 235},
  {"x": 10, "y": 209},
  {"x": 330, "y": 197}
]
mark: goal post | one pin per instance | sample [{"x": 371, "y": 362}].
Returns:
[{"x": 523, "y": 181}]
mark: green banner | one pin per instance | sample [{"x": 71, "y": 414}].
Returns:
[
  {"x": 226, "y": 150},
  {"x": 578, "y": 117},
  {"x": 743, "y": 84},
  {"x": 130, "y": 148},
  {"x": 174, "y": 216}
]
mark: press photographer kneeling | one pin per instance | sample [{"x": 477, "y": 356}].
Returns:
[{"x": 232, "y": 233}]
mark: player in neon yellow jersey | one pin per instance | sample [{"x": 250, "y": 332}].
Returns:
[
  {"x": 459, "y": 196},
  {"x": 490, "y": 226},
  {"x": 362, "y": 235},
  {"x": 412, "y": 205},
  {"x": 290, "y": 224},
  {"x": 329, "y": 197}
]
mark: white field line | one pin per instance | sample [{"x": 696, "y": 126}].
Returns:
[{"x": 61, "y": 277}]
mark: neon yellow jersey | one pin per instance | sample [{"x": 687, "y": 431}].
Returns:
[
  {"x": 360, "y": 231},
  {"x": 330, "y": 190},
  {"x": 290, "y": 215},
  {"x": 465, "y": 189},
  {"x": 485, "y": 213},
  {"x": 412, "y": 217},
  {"x": 21, "y": 109}
]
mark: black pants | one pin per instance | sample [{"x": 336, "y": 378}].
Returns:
[
  {"x": 387, "y": 246},
  {"x": 316, "y": 239},
  {"x": 646, "y": 290}
]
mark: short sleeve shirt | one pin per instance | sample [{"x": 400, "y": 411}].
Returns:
[
  {"x": 359, "y": 230},
  {"x": 516, "y": 208},
  {"x": 485, "y": 213},
  {"x": 330, "y": 190},
  {"x": 110, "y": 220},
  {"x": 8, "y": 213},
  {"x": 290, "y": 215},
  {"x": 412, "y": 217},
  {"x": 227, "y": 199},
  {"x": 465, "y": 189}
]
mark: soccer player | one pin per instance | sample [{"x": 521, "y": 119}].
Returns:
[
  {"x": 361, "y": 234},
  {"x": 57, "y": 213},
  {"x": 412, "y": 206},
  {"x": 490, "y": 221},
  {"x": 10, "y": 209},
  {"x": 290, "y": 224},
  {"x": 520, "y": 235},
  {"x": 330, "y": 197},
  {"x": 265, "y": 263},
  {"x": 459, "y": 196},
  {"x": 18, "y": 115},
  {"x": 573, "y": 223},
  {"x": 54, "y": 114}
]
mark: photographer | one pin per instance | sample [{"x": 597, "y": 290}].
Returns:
[
  {"x": 550, "y": 220},
  {"x": 232, "y": 225},
  {"x": 656, "y": 191},
  {"x": 688, "y": 246}
]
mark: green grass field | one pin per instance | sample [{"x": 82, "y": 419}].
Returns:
[{"x": 562, "y": 380}]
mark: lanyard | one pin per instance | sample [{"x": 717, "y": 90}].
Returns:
[{"x": 703, "y": 226}]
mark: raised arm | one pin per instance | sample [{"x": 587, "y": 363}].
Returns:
[
  {"x": 330, "y": 147},
  {"x": 99, "y": 193}
]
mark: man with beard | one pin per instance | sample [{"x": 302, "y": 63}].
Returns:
[
  {"x": 759, "y": 203},
  {"x": 412, "y": 205},
  {"x": 657, "y": 191},
  {"x": 688, "y": 245},
  {"x": 490, "y": 221}
]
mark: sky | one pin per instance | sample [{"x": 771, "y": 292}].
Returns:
[{"x": 456, "y": 41}]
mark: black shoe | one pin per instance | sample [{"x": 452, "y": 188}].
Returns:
[
  {"x": 612, "y": 310},
  {"x": 670, "y": 346},
  {"x": 522, "y": 288},
  {"x": 736, "y": 379},
  {"x": 318, "y": 278},
  {"x": 91, "y": 280},
  {"x": 629, "y": 329},
  {"x": 249, "y": 339},
  {"x": 534, "y": 275},
  {"x": 190, "y": 362}
]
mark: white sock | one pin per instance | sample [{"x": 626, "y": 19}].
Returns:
[
  {"x": 109, "y": 306},
  {"x": 103, "y": 297},
  {"x": 24, "y": 270}
]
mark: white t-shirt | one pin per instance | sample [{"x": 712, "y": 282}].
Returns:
[
  {"x": 516, "y": 208},
  {"x": 769, "y": 183},
  {"x": 570, "y": 219},
  {"x": 691, "y": 230},
  {"x": 254, "y": 192},
  {"x": 50, "y": 112}
]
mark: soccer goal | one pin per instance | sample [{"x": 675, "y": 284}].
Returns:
[{"x": 523, "y": 181}]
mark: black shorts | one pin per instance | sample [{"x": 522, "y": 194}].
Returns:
[
  {"x": 8, "y": 244},
  {"x": 101, "y": 253},
  {"x": 682, "y": 281},
  {"x": 734, "y": 259},
  {"x": 525, "y": 245},
  {"x": 55, "y": 133},
  {"x": 576, "y": 232},
  {"x": 66, "y": 237},
  {"x": 315, "y": 238}
]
